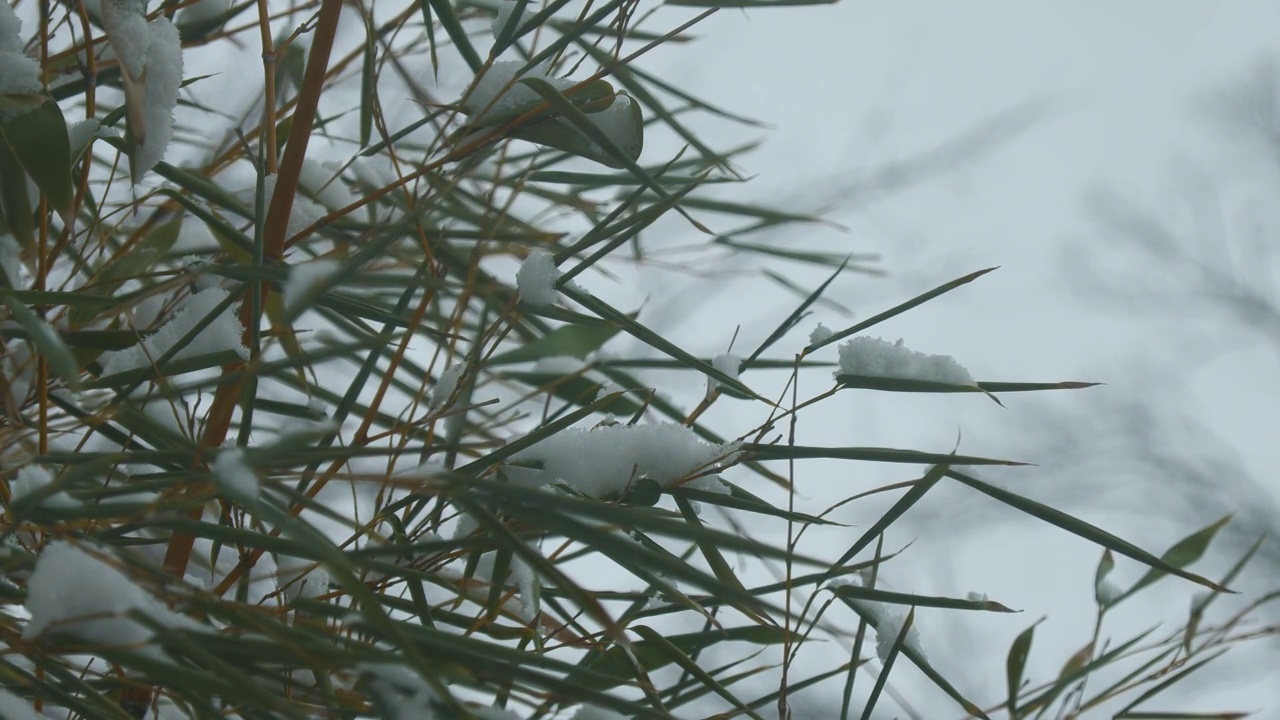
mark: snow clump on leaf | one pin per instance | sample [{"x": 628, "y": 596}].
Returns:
[
  {"x": 879, "y": 358},
  {"x": 535, "y": 280},
  {"x": 73, "y": 592},
  {"x": 605, "y": 461}
]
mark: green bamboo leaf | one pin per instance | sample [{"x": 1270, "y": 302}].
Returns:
[
  {"x": 908, "y": 499},
  {"x": 46, "y": 340},
  {"x": 577, "y": 340},
  {"x": 443, "y": 9},
  {"x": 1016, "y": 665},
  {"x": 15, "y": 205},
  {"x": 1083, "y": 529},
  {"x": 897, "y": 310},
  {"x": 368, "y": 83},
  {"x": 1182, "y": 554},
  {"x": 867, "y": 454},
  {"x": 141, "y": 259},
  {"x": 655, "y": 340},
  {"x": 892, "y": 657},
  {"x": 38, "y": 140},
  {"x": 857, "y": 592},
  {"x": 613, "y": 664},
  {"x": 674, "y": 653},
  {"x": 917, "y": 658},
  {"x": 1101, "y": 592}
]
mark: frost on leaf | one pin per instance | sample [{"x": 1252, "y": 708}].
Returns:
[
  {"x": 150, "y": 56},
  {"x": 223, "y": 333},
  {"x": 879, "y": 358},
  {"x": 606, "y": 461},
  {"x": 535, "y": 280}
]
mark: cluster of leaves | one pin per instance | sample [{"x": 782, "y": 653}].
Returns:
[{"x": 343, "y": 389}]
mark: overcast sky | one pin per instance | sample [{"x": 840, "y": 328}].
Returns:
[{"x": 1107, "y": 96}]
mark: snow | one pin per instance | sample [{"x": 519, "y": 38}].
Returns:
[
  {"x": 234, "y": 477},
  {"x": 506, "y": 10},
  {"x": 19, "y": 370},
  {"x": 726, "y": 363},
  {"x": 13, "y": 707},
  {"x": 819, "y": 334},
  {"x": 887, "y": 619},
  {"x": 73, "y": 592},
  {"x": 163, "y": 79},
  {"x": 19, "y": 74},
  {"x": 79, "y": 134},
  {"x": 306, "y": 281},
  {"x": 603, "y": 461},
  {"x": 977, "y": 597},
  {"x": 399, "y": 693},
  {"x": 302, "y": 214},
  {"x": 446, "y": 386},
  {"x": 1108, "y": 591},
  {"x": 535, "y": 280},
  {"x": 321, "y": 180},
  {"x": 126, "y": 26},
  {"x": 880, "y": 358},
  {"x": 33, "y": 478},
  {"x": 594, "y": 712},
  {"x": 619, "y": 123},
  {"x": 559, "y": 365},
  {"x": 223, "y": 333},
  {"x": 499, "y": 90}
]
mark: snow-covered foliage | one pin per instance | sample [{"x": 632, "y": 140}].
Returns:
[
  {"x": 727, "y": 363},
  {"x": 498, "y": 90},
  {"x": 19, "y": 74},
  {"x": 820, "y": 333},
  {"x": 506, "y": 10},
  {"x": 306, "y": 281},
  {"x": 33, "y": 478},
  {"x": 605, "y": 461},
  {"x": 75, "y": 593},
  {"x": 880, "y": 358},
  {"x": 235, "y": 476},
  {"x": 13, "y": 707},
  {"x": 447, "y": 385},
  {"x": 150, "y": 56},
  {"x": 163, "y": 79},
  {"x": 535, "y": 280},
  {"x": 223, "y": 333}
]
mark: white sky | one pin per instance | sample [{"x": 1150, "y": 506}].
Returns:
[{"x": 859, "y": 85}]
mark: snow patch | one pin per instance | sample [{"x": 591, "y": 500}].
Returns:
[
  {"x": 306, "y": 282},
  {"x": 163, "y": 79},
  {"x": 234, "y": 477},
  {"x": 879, "y": 358},
  {"x": 726, "y": 363},
  {"x": 19, "y": 74},
  {"x": 535, "y": 280},
  {"x": 34, "y": 478},
  {"x": 820, "y": 334},
  {"x": 604, "y": 461},
  {"x": 13, "y": 707},
  {"x": 73, "y": 592}
]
